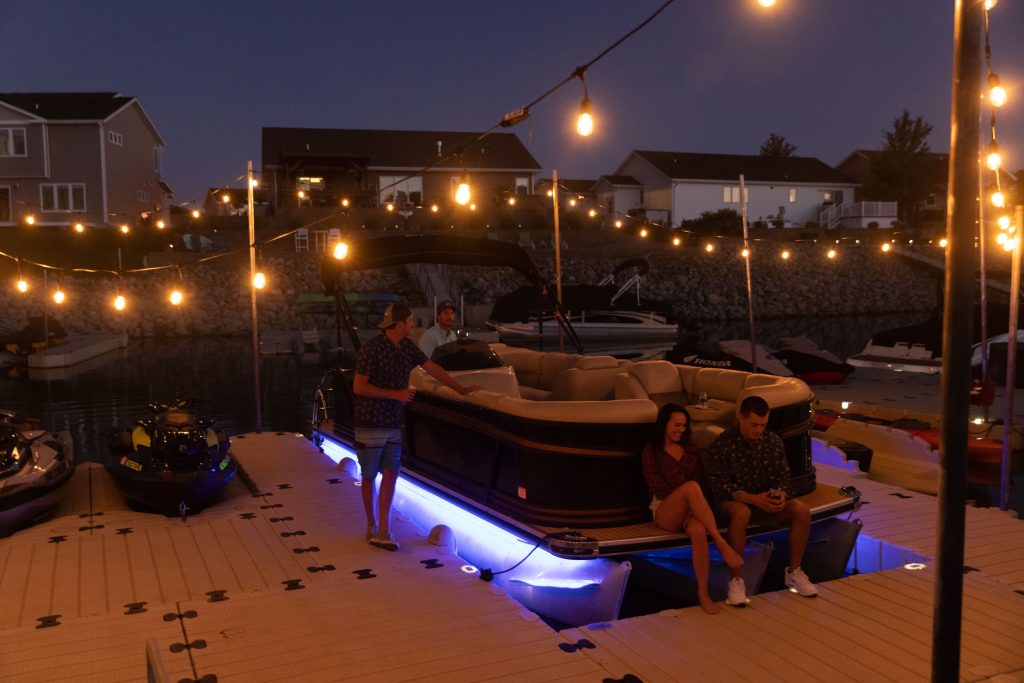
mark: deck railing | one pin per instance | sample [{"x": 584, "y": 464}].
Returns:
[{"x": 834, "y": 215}]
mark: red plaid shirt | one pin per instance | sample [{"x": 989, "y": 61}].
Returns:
[{"x": 664, "y": 474}]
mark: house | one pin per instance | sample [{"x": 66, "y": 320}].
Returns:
[
  {"x": 935, "y": 174},
  {"x": 788, "y": 191},
  {"x": 233, "y": 201},
  {"x": 373, "y": 167},
  {"x": 619, "y": 194},
  {"x": 89, "y": 157},
  {"x": 579, "y": 190}
]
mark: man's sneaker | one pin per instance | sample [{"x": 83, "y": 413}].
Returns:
[
  {"x": 385, "y": 541},
  {"x": 798, "y": 581},
  {"x": 737, "y": 593},
  {"x": 371, "y": 531}
]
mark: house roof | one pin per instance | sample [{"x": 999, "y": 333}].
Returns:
[
  {"x": 405, "y": 149},
  {"x": 620, "y": 180},
  {"x": 694, "y": 166},
  {"x": 935, "y": 166},
  {"x": 57, "y": 106}
]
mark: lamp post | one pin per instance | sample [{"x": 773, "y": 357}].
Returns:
[{"x": 252, "y": 296}]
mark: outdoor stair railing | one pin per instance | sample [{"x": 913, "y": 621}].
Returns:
[{"x": 834, "y": 215}]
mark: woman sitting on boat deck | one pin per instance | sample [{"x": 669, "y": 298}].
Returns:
[{"x": 671, "y": 463}]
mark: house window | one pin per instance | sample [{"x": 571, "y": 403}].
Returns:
[
  {"x": 115, "y": 138},
  {"x": 522, "y": 186},
  {"x": 62, "y": 196},
  {"x": 400, "y": 190},
  {"x": 142, "y": 196},
  {"x": 156, "y": 159},
  {"x": 309, "y": 183},
  {"x": 792, "y": 195},
  {"x": 731, "y": 194},
  {"x": 5, "y": 205},
  {"x": 12, "y": 142}
]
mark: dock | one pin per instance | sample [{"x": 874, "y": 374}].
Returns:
[
  {"x": 276, "y": 583},
  {"x": 77, "y": 351}
]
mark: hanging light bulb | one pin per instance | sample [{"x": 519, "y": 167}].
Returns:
[
  {"x": 676, "y": 241},
  {"x": 195, "y": 213},
  {"x": 1011, "y": 244},
  {"x": 30, "y": 219},
  {"x": 618, "y": 224},
  {"x": 709, "y": 247},
  {"x": 21, "y": 285},
  {"x": 585, "y": 122},
  {"x": 176, "y": 297},
  {"x": 462, "y": 193},
  {"x": 993, "y": 160},
  {"x": 58, "y": 296},
  {"x": 511, "y": 201},
  {"x": 996, "y": 91},
  {"x": 390, "y": 206},
  {"x": 943, "y": 242},
  {"x": 302, "y": 194},
  {"x": 989, "y": 4},
  {"x": 785, "y": 254},
  {"x": 124, "y": 228},
  {"x": 434, "y": 208},
  {"x": 1001, "y": 238},
  {"x": 259, "y": 280},
  {"x": 643, "y": 232},
  {"x": 1003, "y": 222},
  {"x": 766, "y": 3},
  {"x": 119, "y": 301},
  {"x": 79, "y": 228},
  {"x": 254, "y": 183},
  {"x": 226, "y": 198},
  {"x": 160, "y": 225},
  {"x": 340, "y": 250},
  {"x": 998, "y": 199},
  {"x": 886, "y": 247},
  {"x": 831, "y": 253},
  {"x": 345, "y": 203}
]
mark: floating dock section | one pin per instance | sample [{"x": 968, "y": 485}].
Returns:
[{"x": 77, "y": 351}]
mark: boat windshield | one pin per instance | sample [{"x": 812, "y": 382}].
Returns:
[{"x": 466, "y": 354}]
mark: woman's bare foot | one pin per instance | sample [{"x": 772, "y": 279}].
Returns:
[
  {"x": 731, "y": 557},
  {"x": 708, "y": 605}
]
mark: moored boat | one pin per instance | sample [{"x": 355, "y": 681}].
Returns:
[{"x": 34, "y": 467}]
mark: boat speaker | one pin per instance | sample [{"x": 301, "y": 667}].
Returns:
[{"x": 572, "y": 544}]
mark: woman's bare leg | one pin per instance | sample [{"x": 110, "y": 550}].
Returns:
[
  {"x": 699, "y": 508},
  {"x": 701, "y": 564}
]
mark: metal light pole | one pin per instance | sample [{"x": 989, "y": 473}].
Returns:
[
  {"x": 252, "y": 295},
  {"x": 750, "y": 289},
  {"x": 961, "y": 219},
  {"x": 558, "y": 258}
]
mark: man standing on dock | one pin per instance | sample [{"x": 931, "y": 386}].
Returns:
[
  {"x": 382, "y": 390},
  {"x": 748, "y": 476},
  {"x": 441, "y": 332}
]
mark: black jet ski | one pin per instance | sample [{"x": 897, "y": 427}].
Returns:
[
  {"x": 173, "y": 462},
  {"x": 34, "y": 466}
]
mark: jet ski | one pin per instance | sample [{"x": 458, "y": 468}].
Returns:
[
  {"x": 173, "y": 462},
  {"x": 34, "y": 466}
]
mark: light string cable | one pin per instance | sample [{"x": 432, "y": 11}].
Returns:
[{"x": 1007, "y": 236}]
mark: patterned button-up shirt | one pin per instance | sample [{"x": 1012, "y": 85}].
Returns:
[
  {"x": 387, "y": 366},
  {"x": 663, "y": 473},
  {"x": 734, "y": 463}
]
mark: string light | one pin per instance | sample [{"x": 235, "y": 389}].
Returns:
[
  {"x": 1003, "y": 222},
  {"x": 226, "y": 198},
  {"x": 745, "y": 253},
  {"x": 585, "y": 121},
  {"x": 30, "y": 219},
  {"x": 58, "y": 294},
  {"x": 79, "y": 228},
  {"x": 390, "y": 207},
  {"x": 434, "y": 208},
  {"x": 259, "y": 280},
  {"x": 831, "y": 253},
  {"x": 462, "y": 193},
  {"x": 195, "y": 213},
  {"x": 643, "y": 232},
  {"x": 993, "y": 160},
  {"x": 124, "y": 229},
  {"x": 996, "y": 91},
  {"x": 21, "y": 285},
  {"x": 119, "y": 302},
  {"x": 302, "y": 194},
  {"x": 254, "y": 183},
  {"x": 886, "y": 247},
  {"x": 785, "y": 254},
  {"x": 591, "y": 213},
  {"x": 340, "y": 250},
  {"x": 511, "y": 201},
  {"x": 176, "y": 297},
  {"x": 618, "y": 224},
  {"x": 676, "y": 241},
  {"x": 998, "y": 199},
  {"x": 709, "y": 247},
  {"x": 344, "y": 203},
  {"x": 160, "y": 225},
  {"x": 943, "y": 242}
]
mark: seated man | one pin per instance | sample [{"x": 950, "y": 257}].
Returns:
[
  {"x": 441, "y": 332},
  {"x": 748, "y": 476}
]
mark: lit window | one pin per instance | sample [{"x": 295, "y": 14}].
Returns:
[
  {"x": 308, "y": 183},
  {"x": 12, "y": 142},
  {"x": 522, "y": 186},
  {"x": 400, "y": 190},
  {"x": 792, "y": 195},
  {"x": 62, "y": 196},
  {"x": 731, "y": 195}
]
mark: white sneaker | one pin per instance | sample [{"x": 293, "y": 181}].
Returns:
[
  {"x": 737, "y": 593},
  {"x": 798, "y": 581}
]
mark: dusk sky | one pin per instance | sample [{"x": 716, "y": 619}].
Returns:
[{"x": 705, "y": 76}]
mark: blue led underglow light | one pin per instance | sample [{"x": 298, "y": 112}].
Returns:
[{"x": 335, "y": 451}]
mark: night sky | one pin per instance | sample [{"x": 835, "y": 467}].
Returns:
[{"x": 719, "y": 76}]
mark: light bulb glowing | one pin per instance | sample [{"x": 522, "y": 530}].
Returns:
[
  {"x": 709, "y": 247},
  {"x": 551, "y": 193},
  {"x": 160, "y": 225},
  {"x": 225, "y": 198},
  {"x": 785, "y": 254},
  {"x": 676, "y": 241},
  {"x": 831, "y": 253},
  {"x": 745, "y": 253},
  {"x": 462, "y": 193},
  {"x": 886, "y": 247},
  {"x": 643, "y": 232},
  {"x": 259, "y": 280},
  {"x": 585, "y": 122},
  {"x": 996, "y": 92},
  {"x": 30, "y": 219},
  {"x": 79, "y": 228},
  {"x": 254, "y": 183},
  {"x": 1001, "y": 238},
  {"x": 434, "y": 208},
  {"x": 989, "y": 4},
  {"x": 1003, "y": 222},
  {"x": 766, "y": 3},
  {"x": 998, "y": 199},
  {"x": 124, "y": 228},
  {"x": 58, "y": 296},
  {"x": 993, "y": 160},
  {"x": 22, "y": 285},
  {"x": 1010, "y": 244},
  {"x": 345, "y": 203},
  {"x": 119, "y": 302},
  {"x": 302, "y": 194},
  {"x": 176, "y": 297},
  {"x": 472, "y": 207},
  {"x": 195, "y": 213},
  {"x": 340, "y": 250},
  {"x": 618, "y": 224},
  {"x": 511, "y": 201},
  {"x": 591, "y": 213},
  {"x": 943, "y": 242},
  {"x": 572, "y": 202}
]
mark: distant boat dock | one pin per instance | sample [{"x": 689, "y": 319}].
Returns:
[{"x": 276, "y": 583}]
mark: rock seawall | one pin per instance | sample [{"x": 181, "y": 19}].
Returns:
[{"x": 697, "y": 285}]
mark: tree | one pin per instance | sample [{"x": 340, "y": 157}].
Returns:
[
  {"x": 898, "y": 171},
  {"x": 777, "y": 146}
]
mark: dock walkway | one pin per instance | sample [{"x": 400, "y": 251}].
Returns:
[{"x": 276, "y": 583}]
